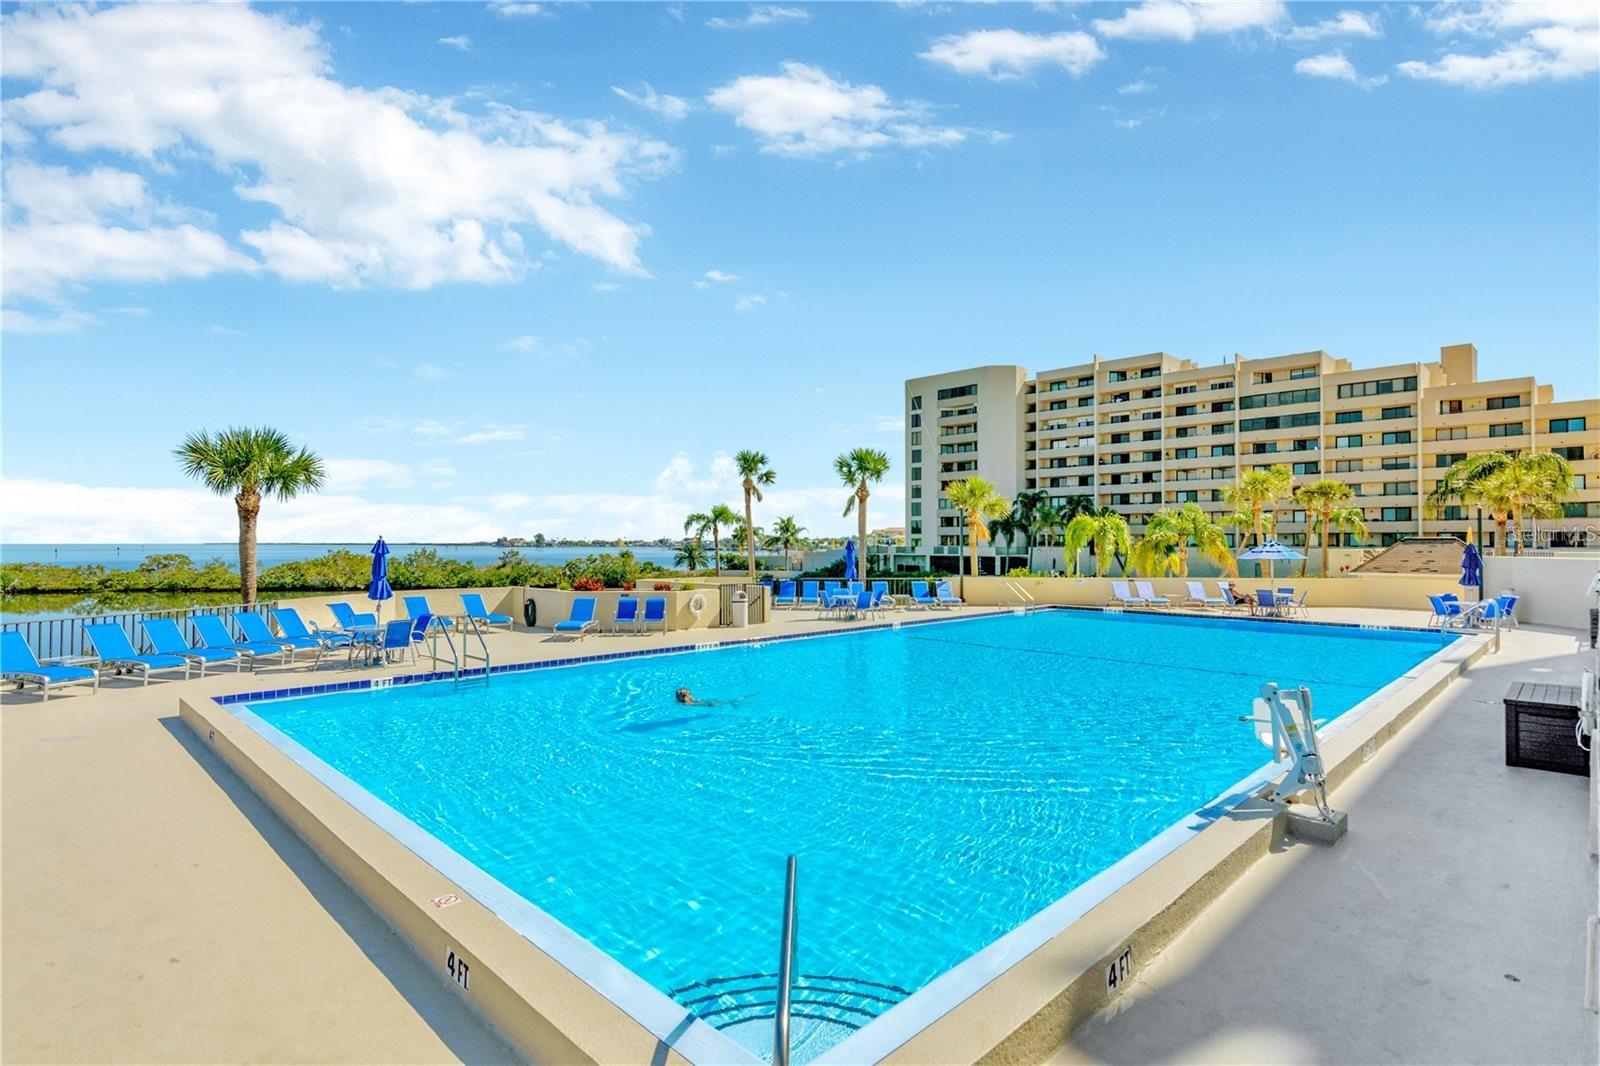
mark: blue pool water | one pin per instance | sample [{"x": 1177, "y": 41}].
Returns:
[{"x": 940, "y": 784}]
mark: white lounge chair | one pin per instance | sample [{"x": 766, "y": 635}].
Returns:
[
  {"x": 1148, "y": 593},
  {"x": 1197, "y": 595},
  {"x": 1123, "y": 596}
]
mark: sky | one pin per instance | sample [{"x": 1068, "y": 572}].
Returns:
[{"x": 524, "y": 267}]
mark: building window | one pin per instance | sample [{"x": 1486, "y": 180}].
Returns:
[
  {"x": 1221, "y": 449},
  {"x": 1397, "y": 436},
  {"x": 1397, "y": 412},
  {"x": 1085, "y": 401},
  {"x": 1307, "y": 468},
  {"x": 1506, "y": 429},
  {"x": 1184, "y": 390},
  {"x": 916, "y": 437},
  {"x": 1302, "y": 372},
  {"x": 916, "y": 492},
  {"x": 916, "y": 507},
  {"x": 1263, "y": 447},
  {"x": 1150, "y": 372},
  {"x": 1455, "y": 433},
  {"x": 1568, "y": 425},
  {"x": 1447, "y": 459},
  {"x": 1503, "y": 403},
  {"x": 1261, "y": 378},
  {"x": 1400, "y": 488},
  {"x": 1343, "y": 417},
  {"x": 1217, "y": 385},
  {"x": 916, "y": 403},
  {"x": 1188, "y": 496},
  {"x": 916, "y": 473},
  {"x": 1121, "y": 438},
  {"x": 1347, "y": 466},
  {"x": 1185, "y": 453},
  {"x": 1222, "y": 405},
  {"x": 1185, "y": 409},
  {"x": 1572, "y": 454},
  {"x": 916, "y": 420},
  {"x": 916, "y": 453},
  {"x": 1352, "y": 441},
  {"x": 1303, "y": 444},
  {"x": 1449, "y": 407},
  {"x": 1396, "y": 464},
  {"x": 958, "y": 390},
  {"x": 916, "y": 529},
  {"x": 1396, "y": 514},
  {"x": 1381, "y": 387},
  {"x": 1280, "y": 399}
]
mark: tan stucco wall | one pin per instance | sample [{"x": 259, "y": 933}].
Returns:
[
  {"x": 1409, "y": 591},
  {"x": 1552, "y": 590}
]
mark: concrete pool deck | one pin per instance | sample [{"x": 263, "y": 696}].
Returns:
[{"x": 155, "y": 910}]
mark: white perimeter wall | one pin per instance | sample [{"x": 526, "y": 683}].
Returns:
[{"x": 1553, "y": 588}]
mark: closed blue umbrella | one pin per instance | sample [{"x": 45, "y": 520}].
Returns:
[
  {"x": 379, "y": 590},
  {"x": 849, "y": 560},
  {"x": 1472, "y": 568}
]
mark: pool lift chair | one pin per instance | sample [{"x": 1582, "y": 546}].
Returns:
[{"x": 1284, "y": 723}]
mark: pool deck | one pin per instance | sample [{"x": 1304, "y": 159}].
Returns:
[{"x": 153, "y": 909}]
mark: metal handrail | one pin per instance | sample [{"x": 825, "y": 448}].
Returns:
[
  {"x": 63, "y": 635},
  {"x": 483, "y": 643},
  {"x": 780, "y": 1024}
]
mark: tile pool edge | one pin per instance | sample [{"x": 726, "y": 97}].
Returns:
[
  {"x": 1020, "y": 997},
  {"x": 556, "y": 998}
]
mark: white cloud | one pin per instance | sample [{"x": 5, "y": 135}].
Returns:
[
  {"x": 1004, "y": 55},
  {"x": 606, "y": 286},
  {"x": 1336, "y": 66},
  {"x": 527, "y": 342},
  {"x": 365, "y": 186},
  {"x": 494, "y": 434},
  {"x": 459, "y": 41},
  {"x": 66, "y": 320},
  {"x": 1184, "y": 20},
  {"x": 430, "y": 372},
  {"x": 226, "y": 331},
  {"x": 516, "y": 9},
  {"x": 761, "y": 15},
  {"x": 1344, "y": 24},
  {"x": 805, "y": 112},
  {"x": 749, "y": 302},
  {"x": 679, "y": 475},
  {"x": 1137, "y": 88},
  {"x": 670, "y": 108},
  {"x": 889, "y": 424},
  {"x": 1561, "y": 42},
  {"x": 721, "y": 276},
  {"x": 352, "y": 475},
  {"x": 64, "y": 227}
]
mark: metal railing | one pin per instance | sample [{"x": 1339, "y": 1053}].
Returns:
[
  {"x": 1014, "y": 595},
  {"x": 780, "y": 1024},
  {"x": 756, "y": 594},
  {"x": 64, "y": 635}
]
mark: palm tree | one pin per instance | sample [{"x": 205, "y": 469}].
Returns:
[
  {"x": 692, "y": 556},
  {"x": 856, "y": 468},
  {"x": 1180, "y": 528},
  {"x": 1542, "y": 478},
  {"x": 1156, "y": 553},
  {"x": 699, "y": 524},
  {"x": 1104, "y": 530},
  {"x": 786, "y": 533},
  {"x": 249, "y": 462},
  {"x": 978, "y": 501},
  {"x": 1023, "y": 507},
  {"x": 1007, "y": 528},
  {"x": 753, "y": 472},
  {"x": 1048, "y": 520},
  {"x": 1257, "y": 493},
  {"x": 1320, "y": 499}
]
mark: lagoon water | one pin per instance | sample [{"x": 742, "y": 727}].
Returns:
[{"x": 129, "y": 556}]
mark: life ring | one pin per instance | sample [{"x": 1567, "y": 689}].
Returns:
[{"x": 697, "y": 603}]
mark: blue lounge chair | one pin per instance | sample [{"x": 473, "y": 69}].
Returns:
[
  {"x": 921, "y": 597},
  {"x": 655, "y": 612},
  {"x": 347, "y": 618},
  {"x": 785, "y": 596},
  {"x": 473, "y": 603},
  {"x": 167, "y": 639},
  {"x": 18, "y": 663},
  {"x": 114, "y": 648},
  {"x": 254, "y": 629},
  {"x": 582, "y": 619},
  {"x": 809, "y": 591},
  {"x": 627, "y": 614},
  {"x": 946, "y": 597},
  {"x": 417, "y": 606},
  {"x": 1122, "y": 595},
  {"x": 293, "y": 628},
  {"x": 1147, "y": 592},
  {"x": 214, "y": 634}
]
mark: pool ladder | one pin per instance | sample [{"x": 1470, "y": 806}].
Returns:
[
  {"x": 1015, "y": 596},
  {"x": 848, "y": 1002},
  {"x": 455, "y": 655}
]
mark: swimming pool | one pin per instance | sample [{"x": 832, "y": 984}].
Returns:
[{"x": 940, "y": 785}]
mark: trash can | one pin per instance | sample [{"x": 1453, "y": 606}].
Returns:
[{"x": 740, "y": 609}]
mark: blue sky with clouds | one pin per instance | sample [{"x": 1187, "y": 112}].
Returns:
[{"x": 526, "y": 267}]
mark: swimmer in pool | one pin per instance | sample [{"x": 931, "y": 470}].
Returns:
[{"x": 684, "y": 696}]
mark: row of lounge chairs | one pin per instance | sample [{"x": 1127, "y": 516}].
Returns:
[
  {"x": 1270, "y": 602},
  {"x": 357, "y": 633},
  {"x": 582, "y": 621},
  {"x": 846, "y": 596}
]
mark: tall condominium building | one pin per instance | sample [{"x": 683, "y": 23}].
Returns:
[{"x": 1152, "y": 431}]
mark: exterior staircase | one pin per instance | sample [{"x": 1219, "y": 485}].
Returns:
[{"x": 1417, "y": 555}]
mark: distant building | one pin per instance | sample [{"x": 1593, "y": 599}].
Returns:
[{"x": 1151, "y": 431}]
